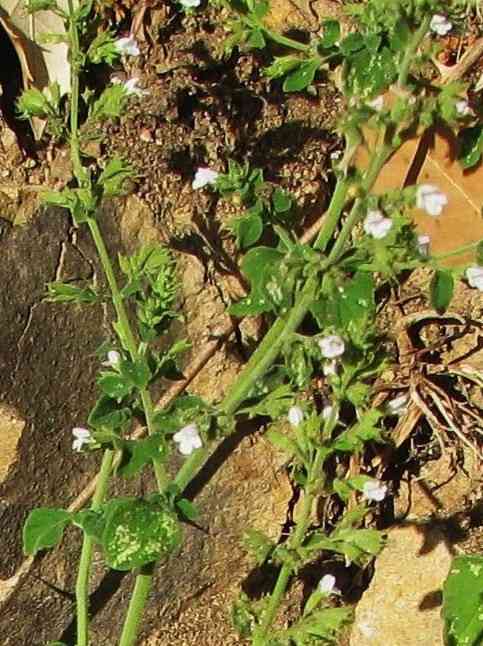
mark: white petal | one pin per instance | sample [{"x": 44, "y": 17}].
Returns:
[
  {"x": 330, "y": 368},
  {"x": 463, "y": 108},
  {"x": 431, "y": 199},
  {"x": 295, "y": 416},
  {"x": 204, "y": 176},
  {"x": 327, "y": 412},
  {"x": 189, "y": 4},
  {"x": 474, "y": 276},
  {"x": 376, "y": 225},
  {"x": 440, "y": 25},
  {"x": 327, "y": 584},
  {"x": 374, "y": 490},
  {"x": 377, "y": 104},
  {"x": 188, "y": 439},
  {"x": 332, "y": 346},
  {"x": 423, "y": 244},
  {"x": 127, "y": 46}
]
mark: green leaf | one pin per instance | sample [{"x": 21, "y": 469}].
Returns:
[
  {"x": 281, "y": 66},
  {"x": 479, "y": 253},
  {"x": 352, "y": 43},
  {"x": 330, "y": 33},
  {"x": 256, "y": 39},
  {"x": 302, "y": 77},
  {"x": 400, "y": 36},
  {"x": 441, "y": 290},
  {"x": 44, "y": 528},
  {"x": 462, "y": 602},
  {"x": 138, "y": 532},
  {"x": 114, "y": 385},
  {"x": 113, "y": 177},
  {"x": 91, "y": 522},
  {"x": 327, "y": 622},
  {"x": 67, "y": 293},
  {"x": 470, "y": 146},
  {"x": 257, "y": 545},
  {"x": 187, "y": 509},
  {"x": 136, "y": 373},
  {"x": 138, "y": 453},
  {"x": 370, "y": 541},
  {"x": 247, "y": 229},
  {"x": 284, "y": 443},
  {"x": 111, "y": 104},
  {"x": 108, "y": 414},
  {"x": 365, "y": 430},
  {"x": 33, "y": 103},
  {"x": 282, "y": 202}
]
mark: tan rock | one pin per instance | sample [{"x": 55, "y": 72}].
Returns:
[
  {"x": 11, "y": 427},
  {"x": 402, "y": 604}
]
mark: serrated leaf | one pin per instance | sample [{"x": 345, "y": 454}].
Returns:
[
  {"x": 302, "y": 77},
  {"x": 107, "y": 413},
  {"x": 44, "y": 528},
  {"x": 138, "y": 453},
  {"x": 462, "y": 602},
  {"x": 441, "y": 290}
]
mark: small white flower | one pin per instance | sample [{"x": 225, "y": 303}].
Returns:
[
  {"x": 423, "y": 244},
  {"x": 131, "y": 86},
  {"x": 82, "y": 436},
  {"x": 463, "y": 108},
  {"x": 327, "y": 585},
  {"x": 330, "y": 368},
  {"x": 397, "y": 405},
  {"x": 431, "y": 199},
  {"x": 204, "y": 176},
  {"x": 188, "y": 439},
  {"x": 127, "y": 46},
  {"x": 440, "y": 24},
  {"x": 331, "y": 346},
  {"x": 113, "y": 359},
  {"x": 190, "y": 4},
  {"x": 374, "y": 490},
  {"x": 474, "y": 276},
  {"x": 376, "y": 225},
  {"x": 376, "y": 104},
  {"x": 327, "y": 412},
  {"x": 295, "y": 416}
]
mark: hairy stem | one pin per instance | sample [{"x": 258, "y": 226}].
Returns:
[
  {"x": 82, "y": 584},
  {"x": 139, "y": 597}
]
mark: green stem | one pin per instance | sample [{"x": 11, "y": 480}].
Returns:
[
  {"x": 284, "y": 40},
  {"x": 456, "y": 252},
  {"x": 313, "y": 487},
  {"x": 333, "y": 214},
  {"x": 82, "y": 584},
  {"x": 139, "y": 597},
  {"x": 411, "y": 50},
  {"x": 127, "y": 335}
]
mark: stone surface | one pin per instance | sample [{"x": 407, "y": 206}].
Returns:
[
  {"x": 403, "y": 602},
  {"x": 11, "y": 427}
]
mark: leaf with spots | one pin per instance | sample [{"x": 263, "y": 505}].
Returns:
[{"x": 138, "y": 532}]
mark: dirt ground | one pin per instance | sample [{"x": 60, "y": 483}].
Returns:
[{"x": 199, "y": 112}]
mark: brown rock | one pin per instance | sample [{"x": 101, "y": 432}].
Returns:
[{"x": 402, "y": 605}]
